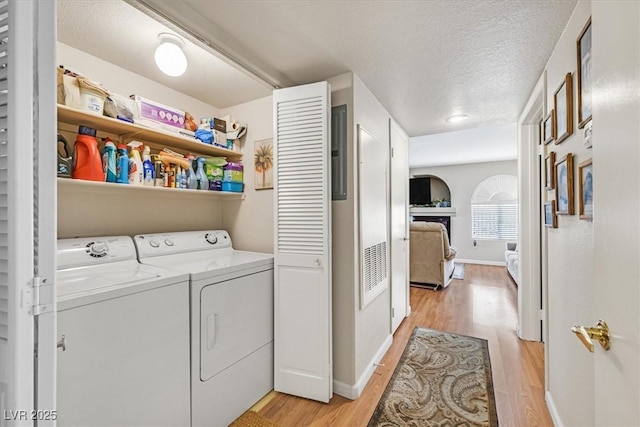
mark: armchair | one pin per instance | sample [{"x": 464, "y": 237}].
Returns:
[{"x": 430, "y": 256}]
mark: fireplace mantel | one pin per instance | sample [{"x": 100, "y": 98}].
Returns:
[{"x": 432, "y": 211}]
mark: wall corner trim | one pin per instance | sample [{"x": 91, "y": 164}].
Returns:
[
  {"x": 354, "y": 391},
  {"x": 555, "y": 416}
]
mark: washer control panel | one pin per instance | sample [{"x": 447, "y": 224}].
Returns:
[
  {"x": 150, "y": 245},
  {"x": 87, "y": 251}
]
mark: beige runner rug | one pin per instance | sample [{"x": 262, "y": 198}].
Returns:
[{"x": 442, "y": 379}]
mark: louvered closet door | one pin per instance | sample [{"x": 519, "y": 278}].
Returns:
[
  {"x": 27, "y": 222},
  {"x": 303, "y": 365}
]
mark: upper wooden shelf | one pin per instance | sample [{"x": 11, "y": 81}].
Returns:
[{"x": 129, "y": 130}]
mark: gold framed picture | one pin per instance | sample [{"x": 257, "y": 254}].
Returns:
[
  {"x": 563, "y": 109},
  {"x": 584, "y": 75},
  {"x": 550, "y": 171},
  {"x": 585, "y": 185},
  {"x": 549, "y": 128},
  {"x": 550, "y": 218},
  {"x": 564, "y": 185}
]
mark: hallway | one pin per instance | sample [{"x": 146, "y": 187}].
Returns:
[{"x": 484, "y": 305}]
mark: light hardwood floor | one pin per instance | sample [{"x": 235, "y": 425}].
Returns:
[{"x": 483, "y": 305}]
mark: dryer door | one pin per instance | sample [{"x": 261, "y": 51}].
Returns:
[{"x": 236, "y": 319}]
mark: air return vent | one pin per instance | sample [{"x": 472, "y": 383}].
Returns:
[{"x": 374, "y": 268}]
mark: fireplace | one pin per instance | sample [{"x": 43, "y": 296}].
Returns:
[{"x": 446, "y": 220}]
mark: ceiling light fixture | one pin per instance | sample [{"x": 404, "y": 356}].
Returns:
[
  {"x": 169, "y": 56},
  {"x": 456, "y": 118}
]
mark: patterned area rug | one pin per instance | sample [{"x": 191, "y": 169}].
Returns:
[
  {"x": 252, "y": 419},
  {"x": 442, "y": 379}
]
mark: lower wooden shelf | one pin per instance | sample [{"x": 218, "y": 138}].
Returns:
[{"x": 79, "y": 185}]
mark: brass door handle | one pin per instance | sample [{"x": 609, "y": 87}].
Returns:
[{"x": 599, "y": 332}]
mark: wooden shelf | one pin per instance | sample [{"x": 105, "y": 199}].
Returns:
[
  {"x": 82, "y": 186},
  {"x": 130, "y": 131}
]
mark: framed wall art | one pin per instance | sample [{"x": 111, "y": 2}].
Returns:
[
  {"x": 549, "y": 128},
  {"x": 550, "y": 218},
  {"x": 550, "y": 171},
  {"x": 584, "y": 75},
  {"x": 564, "y": 185},
  {"x": 585, "y": 185},
  {"x": 263, "y": 164},
  {"x": 563, "y": 109}
]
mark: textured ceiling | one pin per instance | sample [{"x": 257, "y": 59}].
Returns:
[{"x": 424, "y": 60}]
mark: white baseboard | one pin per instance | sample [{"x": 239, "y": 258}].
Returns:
[
  {"x": 477, "y": 261},
  {"x": 555, "y": 417},
  {"x": 353, "y": 392}
]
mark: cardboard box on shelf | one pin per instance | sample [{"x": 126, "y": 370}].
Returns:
[
  {"x": 148, "y": 110},
  {"x": 68, "y": 89}
]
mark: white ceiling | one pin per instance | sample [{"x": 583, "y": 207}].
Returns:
[
  {"x": 424, "y": 60},
  {"x": 482, "y": 144}
]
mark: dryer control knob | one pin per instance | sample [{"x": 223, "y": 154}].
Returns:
[
  {"x": 154, "y": 243},
  {"x": 211, "y": 238},
  {"x": 168, "y": 242},
  {"x": 98, "y": 249}
]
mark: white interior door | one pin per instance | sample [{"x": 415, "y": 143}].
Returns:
[
  {"x": 302, "y": 253},
  {"x": 616, "y": 190},
  {"x": 399, "y": 176},
  {"x": 27, "y": 213}
]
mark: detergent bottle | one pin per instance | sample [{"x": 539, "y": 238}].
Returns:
[
  {"x": 109, "y": 160},
  {"x": 87, "y": 159},
  {"x": 203, "y": 182},
  {"x": 192, "y": 179},
  {"x": 148, "y": 169},
  {"x": 135, "y": 164},
  {"x": 122, "y": 165}
]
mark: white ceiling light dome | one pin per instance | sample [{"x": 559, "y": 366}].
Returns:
[
  {"x": 169, "y": 56},
  {"x": 456, "y": 118}
]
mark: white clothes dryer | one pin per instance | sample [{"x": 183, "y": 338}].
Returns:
[
  {"x": 124, "y": 336},
  {"x": 231, "y": 319}
]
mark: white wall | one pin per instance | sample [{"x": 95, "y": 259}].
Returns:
[
  {"x": 250, "y": 221},
  {"x": 373, "y": 326},
  {"x": 462, "y": 180},
  {"x": 96, "y": 213},
  {"x": 570, "y": 258},
  {"x": 344, "y": 242}
]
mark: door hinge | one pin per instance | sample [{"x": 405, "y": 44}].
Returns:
[
  {"x": 541, "y": 314},
  {"x": 38, "y": 296},
  {"x": 393, "y": 312},
  {"x": 392, "y": 154}
]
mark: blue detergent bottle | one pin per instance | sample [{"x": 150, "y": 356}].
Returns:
[
  {"x": 122, "y": 165},
  {"x": 203, "y": 182},
  {"x": 192, "y": 179},
  {"x": 109, "y": 160}
]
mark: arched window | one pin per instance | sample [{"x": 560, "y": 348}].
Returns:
[{"x": 494, "y": 209}]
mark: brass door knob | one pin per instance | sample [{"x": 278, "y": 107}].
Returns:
[{"x": 599, "y": 332}]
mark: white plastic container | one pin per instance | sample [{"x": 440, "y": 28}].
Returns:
[{"x": 92, "y": 100}]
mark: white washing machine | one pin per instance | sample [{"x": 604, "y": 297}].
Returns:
[
  {"x": 231, "y": 319},
  {"x": 124, "y": 332}
]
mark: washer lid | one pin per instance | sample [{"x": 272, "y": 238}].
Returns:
[{"x": 90, "y": 279}]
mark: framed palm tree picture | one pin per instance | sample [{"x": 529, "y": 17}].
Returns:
[{"x": 263, "y": 164}]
